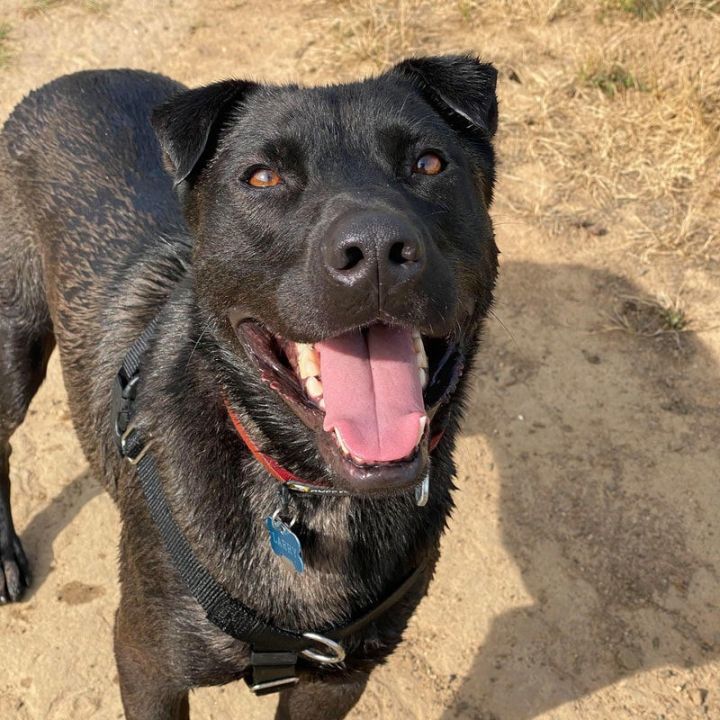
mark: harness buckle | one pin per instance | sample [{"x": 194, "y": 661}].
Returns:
[
  {"x": 124, "y": 393},
  {"x": 132, "y": 447},
  {"x": 272, "y": 671}
]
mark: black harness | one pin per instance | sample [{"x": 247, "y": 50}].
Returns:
[{"x": 274, "y": 650}]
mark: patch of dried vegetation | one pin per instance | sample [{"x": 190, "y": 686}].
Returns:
[
  {"x": 640, "y": 135},
  {"x": 31, "y": 8},
  {"x": 616, "y": 101},
  {"x": 5, "y": 31},
  {"x": 650, "y": 316},
  {"x": 363, "y": 36}
]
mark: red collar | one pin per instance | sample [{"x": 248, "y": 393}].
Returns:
[{"x": 281, "y": 474}]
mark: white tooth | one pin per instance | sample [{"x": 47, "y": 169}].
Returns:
[
  {"x": 321, "y": 403},
  {"x": 308, "y": 360},
  {"x": 421, "y": 430},
  {"x": 357, "y": 460},
  {"x": 341, "y": 442},
  {"x": 423, "y": 377},
  {"x": 314, "y": 388},
  {"x": 303, "y": 349},
  {"x": 309, "y": 368},
  {"x": 420, "y": 356}
]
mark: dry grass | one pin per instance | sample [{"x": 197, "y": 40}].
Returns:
[
  {"x": 5, "y": 53},
  {"x": 648, "y": 161},
  {"x": 369, "y": 34},
  {"x": 522, "y": 11},
  {"x": 610, "y": 79},
  {"x": 618, "y": 101},
  {"x": 650, "y": 316},
  {"x": 97, "y": 6},
  {"x": 372, "y": 34},
  {"x": 37, "y": 7},
  {"x": 648, "y": 9}
]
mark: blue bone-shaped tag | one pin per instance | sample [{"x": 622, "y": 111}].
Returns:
[{"x": 284, "y": 543}]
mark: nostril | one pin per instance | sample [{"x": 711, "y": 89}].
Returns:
[
  {"x": 402, "y": 252},
  {"x": 353, "y": 256}
]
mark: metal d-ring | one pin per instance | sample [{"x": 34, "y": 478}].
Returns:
[
  {"x": 336, "y": 648},
  {"x": 276, "y": 517}
]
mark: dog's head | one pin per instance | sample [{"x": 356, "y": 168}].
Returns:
[{"x": 343, "y": 247}]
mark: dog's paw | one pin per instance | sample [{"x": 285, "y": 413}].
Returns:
[{"x": 14, "y": 571}]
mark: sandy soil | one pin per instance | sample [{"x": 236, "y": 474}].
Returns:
[{"x": 579, "y": 577}]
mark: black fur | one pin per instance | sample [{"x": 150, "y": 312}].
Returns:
[{"x": 94, "y": 243}]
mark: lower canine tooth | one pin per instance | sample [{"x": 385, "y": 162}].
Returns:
[
  {"x": 423, "y": 377},
  {"x": 421, "y": 430},
  {"x": 420, "y": 355},
  {"x": 341, "y": 442}
]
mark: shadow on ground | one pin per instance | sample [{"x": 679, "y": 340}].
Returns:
[
  {"x": 41, "y": 532},
  {"x": 605, "y": 447}
]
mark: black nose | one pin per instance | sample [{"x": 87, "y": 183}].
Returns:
[{"x": 373, "y": 248}]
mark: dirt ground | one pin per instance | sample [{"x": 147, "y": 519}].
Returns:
[{"x": 580, "y": 573}]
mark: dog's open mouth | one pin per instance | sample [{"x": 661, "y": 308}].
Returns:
[
  {"x": 370, "y": 384},
  {"x": 370, "y": 393}
]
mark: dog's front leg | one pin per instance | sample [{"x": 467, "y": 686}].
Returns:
[
  {"x": 14, "y": 569},
  {"x": 327, "y": 698},
  {"x": 147, "y": 691}
]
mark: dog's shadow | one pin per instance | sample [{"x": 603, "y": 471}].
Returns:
[
  {"x": 605, "y": 447},
  {"x": 40, "y": 533}
]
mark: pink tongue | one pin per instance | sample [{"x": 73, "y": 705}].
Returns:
[{"x": 372, "y": 392}]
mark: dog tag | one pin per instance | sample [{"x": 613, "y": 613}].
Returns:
[{"x": 284, "y": 543}]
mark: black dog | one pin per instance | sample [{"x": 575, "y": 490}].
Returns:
[{"x": 306, "y": 300}]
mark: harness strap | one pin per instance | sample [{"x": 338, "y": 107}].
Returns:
[{"x": 274, "y": 649}]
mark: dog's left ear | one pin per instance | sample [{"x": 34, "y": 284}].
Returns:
[
  {"x": 189, "y": 124},
  {"x": 460, "y": 87}
]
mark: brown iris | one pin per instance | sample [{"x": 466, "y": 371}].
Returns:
[
  {"x": 263, "y": 177},
  {"x": 428, "y": 164}
]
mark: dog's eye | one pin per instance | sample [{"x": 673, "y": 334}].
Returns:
[
  {"x": 428, "y": 164},
  {"x": 263, "y": 177}
]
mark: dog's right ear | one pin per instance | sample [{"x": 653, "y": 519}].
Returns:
[{"x": 188, "y": 125}]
